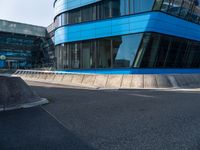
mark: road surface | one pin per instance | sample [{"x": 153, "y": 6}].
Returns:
[{"x": 104, "y": 120}]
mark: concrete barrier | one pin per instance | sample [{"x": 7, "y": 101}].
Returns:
[
  {"x": 15, "y": 94},
  {"x": 137, "y": 81},
  {"x": 42, "y": 77},
  {"x": 32, "y": 75},
  {"x": 180, "y": 80},
  {"x": 126, "y": 81},
  {"x": 114, "y": 81},
  {"x": 150, "y": 81},
  {"x": 50, "y": 77},
  {"x": 67, "y": 79},
  {"x": 89, "y": 80},
  {"x": 28, "y": 75},
  {"x": 196, "y": 80},
  {"x": 77, "y": 79},
  {"x": 172, "y": 81},
  {"x": 163, "y": 81},
  {"x": 193, "y": 80},
  {"x": 36, "y": 76},
  {"x": 100, "y": 81},
  {"x": 58, "y": 78},
  {"x": 23, "y": 74}
]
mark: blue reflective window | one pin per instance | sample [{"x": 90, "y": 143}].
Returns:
[
  {"x": 186, "y": 9},
  {"x": 124, "y": 49},
  {"x": 102, "y": 10}
]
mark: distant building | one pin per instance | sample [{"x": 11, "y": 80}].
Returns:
[
  {"x": 127, "y": 34},
  {"x": 25, "y": 46}
]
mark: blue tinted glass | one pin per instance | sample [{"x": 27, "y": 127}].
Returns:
[
  {"x": 125, "y": 48},
  {"x": 142, "y": 5}
]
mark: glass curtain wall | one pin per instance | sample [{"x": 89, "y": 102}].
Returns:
[
  {"x": 124, "y": 49},
  {"x": 16, "y": 59},
  {"x": 186, "y": 9},
  {"x": 161, "y": 51},
  {"x": 102, "y": 10},
  {"x": 115, "y": 52},
  {"x": 88, "y": 55},
  {"x": 21, "y": 51},
  {"x": 148, "y": 50},
  {"x": 62, "y": 54}
]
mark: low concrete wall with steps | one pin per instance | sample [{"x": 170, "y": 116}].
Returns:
[{"x": 125, "y": 81}]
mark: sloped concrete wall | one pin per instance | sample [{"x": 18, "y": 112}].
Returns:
[
  {"x": 125, "y": 81},
  {"x": 15, "y": 93}
]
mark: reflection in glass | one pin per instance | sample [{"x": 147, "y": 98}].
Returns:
[
  {"x": 88, "y": 55},
  {"x": 186, "y": 9},
  {"x": 104, "y": 53},
  {"x": 124, "y": 50},
  {"x": 160, "y": 51},
  {"x": 148, "y": 50},
  {"x": 75, "y": 55},
  {"x": 102, "y": 10}
]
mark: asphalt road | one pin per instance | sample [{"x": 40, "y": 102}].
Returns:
[{"x": 104, "y": 120}]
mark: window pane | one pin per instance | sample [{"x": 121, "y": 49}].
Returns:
[
  {"x": 158, "y": 5},
  {"x": 124, "y": 49},
  {"x": 165, "y": 5},
  {"x": 148, "y": 51},
  {"x": 87, "y": 14},
  {"x": 75, "y": 55},
  {"x": 175, "y": 7},
  {"x": 88, "y": 55},
  {"x": 104, "y": 53},
  {"x": 142, "y": 5},
  {"x": 185, "y": 8},
  {"x": 74, "y": 16},
  {"x": 61, "y": 55}
]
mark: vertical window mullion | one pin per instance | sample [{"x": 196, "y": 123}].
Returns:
[{"x": 112, "y": 61}]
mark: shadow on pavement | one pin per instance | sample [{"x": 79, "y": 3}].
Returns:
[{"x": 35, "y": 129}]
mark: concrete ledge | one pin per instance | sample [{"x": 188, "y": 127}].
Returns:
[
  {"x": 89, "y": 80},
  {"x": 42, "y": 76},
  {"x": 137, "y": 81},
  {"x": 50, "y": 77},
  {"x": 58, "y": 78},
  {"x": 100, "y": 81},
  {"x": 67, "y": 79},
  {"x": 115, "y": 81},
  {"x": 150, "y": 81},
  {"x": 163, "y": 81},
  {"x": 126, "y": 81},
  {"x": 77, "y": 79}
]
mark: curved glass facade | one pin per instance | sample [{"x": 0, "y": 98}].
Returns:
[
  {"x": 186, "y": 9},
  {"x": 155, "y": 51},
  {"x": 163, "y": 51},
  {"x": 134, "y": 41},
  {"x": 115, "y": 52},
  {"x": 103, "y": 10}
]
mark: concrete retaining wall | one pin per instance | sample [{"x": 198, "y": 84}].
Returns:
[{"x": 114, "y": 81}]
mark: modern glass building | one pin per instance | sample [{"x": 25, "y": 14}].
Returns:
[
  {"x": 24, "y": 46},
  {"x": 127, "y": 34}
]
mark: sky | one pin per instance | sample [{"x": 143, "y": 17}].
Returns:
[{"x": 36, "y": 12}]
